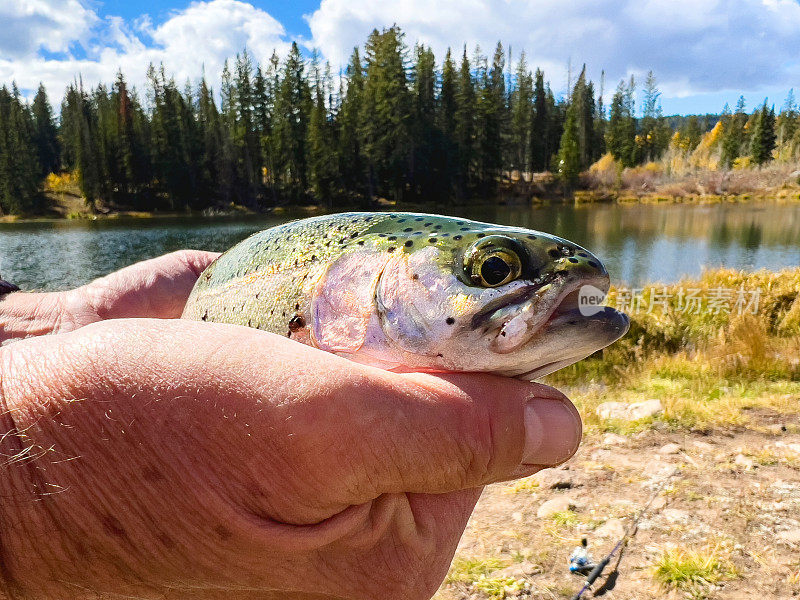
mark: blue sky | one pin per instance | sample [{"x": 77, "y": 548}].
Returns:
[
  {"x": 704, "y": 52},
  {"x": 290, "y": 14}
]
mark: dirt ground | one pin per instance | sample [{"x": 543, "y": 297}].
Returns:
[{"x": 732, "y": 496}]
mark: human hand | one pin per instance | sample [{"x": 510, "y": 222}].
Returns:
[
  {"x": 181, "y": 459},
  {"x": 156, "y": 288}
]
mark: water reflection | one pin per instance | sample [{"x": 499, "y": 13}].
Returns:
[{"x": 638, "y": 243}]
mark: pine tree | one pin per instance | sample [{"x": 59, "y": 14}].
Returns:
[
  {"x": 19, "y": 166},
  {"x": 465, "y": 127},
  {"x": 763, "y": 137},
  {"x": 584, "y": 115},
  {"x": 542, "y": 120},
  {"x": 491, "y": 121},
  {"x": 521, "y": 117},
  {"x": 269, "y": 138},
  {"x": 45, "y": 133},
  {"x": 322, "y": 166},
  {"x": 655, "y": 134},
  {"x": 446, "y": 123},
  {"x": 426, "y": 151},
  {"x": 351, "y": 163},
  {"x": 79, "y": 138},
  {"x": 733, "y": 137},
  {"x": 600, "y": 123},
  {"x": 691, "y": 132},
  {"x": 292, "y": 110},
  {"x": 569, "y": 153},
  {"x": 386, "y": 114},
  {"x": 621, "y": 130},
  {"x": 786, "y": 123},
  {"x": 212, "y": 167}
]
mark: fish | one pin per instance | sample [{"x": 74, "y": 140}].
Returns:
[{"x": 416, "y": 292}]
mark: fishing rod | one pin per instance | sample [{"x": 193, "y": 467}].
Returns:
[{"x": 629, "y": 533}]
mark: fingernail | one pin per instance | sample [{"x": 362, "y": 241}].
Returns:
[{"x": 552, "y": 432}]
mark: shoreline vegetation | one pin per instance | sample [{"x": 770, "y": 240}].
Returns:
[
  {"x": 395, "y": 128},
  {"x": 778, "y": 186},
  {"x": 710, "y": 361}
]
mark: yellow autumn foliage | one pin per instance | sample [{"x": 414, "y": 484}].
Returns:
[
  {"x": 60, "y": 182},
  {"x": 743, "y": 162},
  {"x": 604, "y": 164}
]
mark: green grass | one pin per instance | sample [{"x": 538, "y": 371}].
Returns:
[
  {"x": 565, "y": 518},
  {"x": 691, "y": 570},
  {"x": 498, "y": 587},
  {"x": 469, "y": 570}
]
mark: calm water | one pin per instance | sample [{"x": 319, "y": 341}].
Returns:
[{"x": 639, "y": 243}]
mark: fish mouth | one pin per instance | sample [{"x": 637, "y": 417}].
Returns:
[{"x": 558, "y": 305}]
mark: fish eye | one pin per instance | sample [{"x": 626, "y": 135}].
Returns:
[{"x": 493, "y": 262}]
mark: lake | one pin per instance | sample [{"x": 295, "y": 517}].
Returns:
[{"x": 638, "y": 243}]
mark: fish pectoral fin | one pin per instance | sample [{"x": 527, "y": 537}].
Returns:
[{"x": 343, "y": 301}]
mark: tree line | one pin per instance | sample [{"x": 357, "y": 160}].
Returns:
[{"x": 393, "y": 124}]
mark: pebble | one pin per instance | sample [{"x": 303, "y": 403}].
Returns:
[
  {"x": 613, "y": 528},
  {"x": 675, "y": 515},
  {"x": 614, "y": 439},
  {"x": 555, "y": 505},
  {"x": 792, "y": 536},
  {"x": 519, "y": 570},
  {"x": 629, "y": 412},
  {"x": 776, "y": 428},
  {"x": 672, "y": 448},
  {"x": 554, "y": 479},
  {"x": 744, "y": 461},
  {"x": 703, "y": 446},
  {"x": 794, "y": 448}
]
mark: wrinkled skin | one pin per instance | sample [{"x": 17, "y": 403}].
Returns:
[{"x": 177, "y": 459}]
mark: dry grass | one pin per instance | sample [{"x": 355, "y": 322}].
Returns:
[
  {"x": 708, "y": 368},
  {"x": 695, "y": 176}
]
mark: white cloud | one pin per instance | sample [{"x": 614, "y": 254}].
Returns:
[
  {"x": 200, "y": 36},
  {"x": 692, "y": 45},
  {"x": 50, "y": 24}
]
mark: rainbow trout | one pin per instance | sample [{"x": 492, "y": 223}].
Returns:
[{"x": 416, "y": 292}]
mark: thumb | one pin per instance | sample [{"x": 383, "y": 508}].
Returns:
[{"x": 440, "y": 433}]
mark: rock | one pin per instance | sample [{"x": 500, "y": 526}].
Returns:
[
  {"x": 516, "y": 517},
  {"x": 790, "y": 447},
  {"x": 657, "y": 472},
  {"x": 675, "y": 515},
  {"x": 555, "y": 505},
  {"x": 792, "y": 536},
  {"x": 614, "y": 459},
  {"x": 629, "y": 412},
  {"x": 613, "y": 529},
  {"x": 703, "y": 446},
  {"x": 672, "y": 448},
  {"x": 519, "y": 570},
  {"x": 614, "y": 439},
  {"x": 554, "y": 479},
  {"x": 743, "y": 461},
  {"x": 776, "y": 428},
  {"x": 659, "y": 503}
]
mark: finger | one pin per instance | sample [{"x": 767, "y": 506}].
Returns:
[{"x": 156, "y": 288}]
